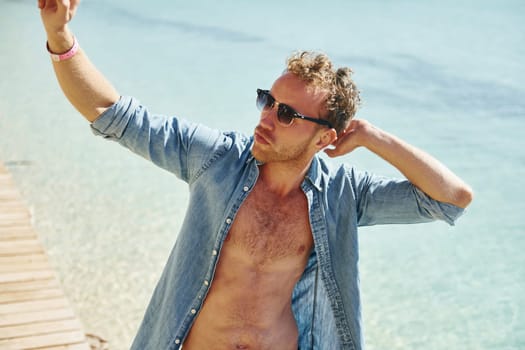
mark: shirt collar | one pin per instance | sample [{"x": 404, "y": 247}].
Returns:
[{"x": 314, "y": 174}]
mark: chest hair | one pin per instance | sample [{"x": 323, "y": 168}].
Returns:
[{"x": 269, "y": 228}]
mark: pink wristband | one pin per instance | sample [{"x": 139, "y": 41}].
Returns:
[{"x": 66, "y": 55}]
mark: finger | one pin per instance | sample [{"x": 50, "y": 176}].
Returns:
[
  {"x": 41, "y": 4},
  {"x": 49, "y": 4},
  {"x": 343, "y": 137},
  {"x": 73, "y": 4},
  {"x": 338, "y": 140},
  {"x": 62, "y": 7},
  {"x": 330, "y": 152}
]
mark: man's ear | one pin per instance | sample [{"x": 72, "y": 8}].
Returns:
[{"x": 327, "y": 138}]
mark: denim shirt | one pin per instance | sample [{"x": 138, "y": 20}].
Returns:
[{"x": 221, "y": 171}]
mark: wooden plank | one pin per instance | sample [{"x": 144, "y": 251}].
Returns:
[
  {"x": 12, "y": 202},
  {"x": 78, "y": 346},
  {"x": 7, "y": 225},
  {"x": 20, "y": 247},
  {"x": 31, "y": 316},
  {"x": 26, "y": 276},
  {"x": 37, "y": 328},
  {"x": 33, "y": 305},
  {"x": 13, "y": 209},
  {"x": 18, "y": 236},
  {"x": 21, "y": 227},
  {"x": 10, "y": 194},
  {"x": 9, "y": 222},
  {"x": 39, "y": 294},
  {"x": 18, "y": 232},
  {"x": 14, "y": 215},
  {"x": 34, "y": 313},
  {"x": 41, "y": 341},
  {"x": 27, "y": 286},
  {"x": 14, "y": 261},
  {"x": 25, "y": 266},
  {"x": 13, "y": 205}
]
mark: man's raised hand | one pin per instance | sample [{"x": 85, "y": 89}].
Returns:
[
  {"x": 353, "y": 136},
  {"x": 56, "y": 14}
]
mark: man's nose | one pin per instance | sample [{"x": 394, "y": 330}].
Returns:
[{"x": 268, "y": 117}]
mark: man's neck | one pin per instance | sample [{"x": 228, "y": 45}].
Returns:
[{"x": 283, "y": 178}]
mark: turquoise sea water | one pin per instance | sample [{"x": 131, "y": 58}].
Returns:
[{"x": 446, "y": 76}]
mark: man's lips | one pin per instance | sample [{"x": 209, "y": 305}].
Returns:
[{"x": 261, "y": 137}]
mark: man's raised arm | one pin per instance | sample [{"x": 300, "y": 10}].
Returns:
[
  {"x": 84, "y": 86},
  {"x": 421, "y": 169}
]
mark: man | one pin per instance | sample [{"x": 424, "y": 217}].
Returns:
[{"x": 267, "y": 255}]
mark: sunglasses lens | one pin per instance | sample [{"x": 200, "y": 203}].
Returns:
[
  {"x": 264, "y": 100},
  {"x": 285, "y": 114}
]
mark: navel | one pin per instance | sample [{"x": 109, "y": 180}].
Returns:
[{"x": 301, "y": 249}]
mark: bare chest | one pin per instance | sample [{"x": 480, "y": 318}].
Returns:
[{"x": 269, "y": 229}]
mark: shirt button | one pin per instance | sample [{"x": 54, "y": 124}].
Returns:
[
  {"x": 177, "y": 341},
  {"x": 193, "y": 311},
  {"x": 206, "y": 283},
  {"x": 246, "y": 188},
  {"x": 214, "y": 252},
  {"x": 228, "y": 221}
]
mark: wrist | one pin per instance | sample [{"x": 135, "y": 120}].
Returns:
[
  {"x": 60, "y": 41},
  {"x": 362, "y": 132},
  {"x": 370, "y": 136},
  {"x": 64, "y": 55}
]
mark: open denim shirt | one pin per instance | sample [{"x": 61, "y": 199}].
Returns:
[{"x": 220, "y": 171}]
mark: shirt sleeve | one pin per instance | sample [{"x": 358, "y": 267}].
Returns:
[
  {"x": 382, "y": 200},
  {"x": 172, "y": 143}
]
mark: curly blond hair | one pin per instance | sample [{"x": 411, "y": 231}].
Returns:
[{"x": 316, "y": 69}]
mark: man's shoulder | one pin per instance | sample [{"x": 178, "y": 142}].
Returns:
[
  {"x": 332, "y": 174},
  {"x": 333, "y": 169}
]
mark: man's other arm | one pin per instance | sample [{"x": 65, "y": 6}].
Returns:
[
  {"x": 421, "y": 169},
  {"x": 84, "y": 86}
]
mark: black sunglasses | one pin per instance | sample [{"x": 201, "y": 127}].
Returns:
[{"x": 285, "y": 113}]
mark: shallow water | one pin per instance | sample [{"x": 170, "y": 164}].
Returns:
[{"x": 446, "y": 77}]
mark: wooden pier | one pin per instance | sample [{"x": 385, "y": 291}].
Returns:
[{"x": 34, "y": 313}]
